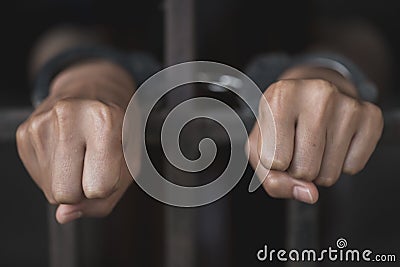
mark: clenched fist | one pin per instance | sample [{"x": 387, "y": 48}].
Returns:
[
  {"x": 71, "y": 144},
  {"x": 322, "y": 130}
]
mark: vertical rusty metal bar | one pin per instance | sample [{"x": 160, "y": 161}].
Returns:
[
  {"x": 302, "y": 229},
  {"x": 180, "y": 223},
  {"x": 179, "y": 31},
  {"x": 63, "y": 251},
  {"x": 179, "y": 39}
]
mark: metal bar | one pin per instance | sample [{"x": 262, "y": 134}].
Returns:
[
  {"x": 180, "y": 223},
  {"x": 302, "y": 229},
  {"x": 179, "y": 31},
  {"x": 63, "y": 251},
  {"x": 179, "y": 39},
  {"x": 9, "y": 121}
]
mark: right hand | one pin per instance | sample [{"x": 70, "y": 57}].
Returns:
[{"x": 71, "y": 145}]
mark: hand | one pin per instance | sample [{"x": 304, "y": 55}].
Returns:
[
  {"x": 71, "y": 144},
  {"x": 322, "y": 130}
]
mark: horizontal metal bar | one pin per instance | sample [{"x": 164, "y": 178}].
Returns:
[{"x": 9, "y": 121}]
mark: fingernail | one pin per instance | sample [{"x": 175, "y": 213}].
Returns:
[{"x": 302, "y": 194}]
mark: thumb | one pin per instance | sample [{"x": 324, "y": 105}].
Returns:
[{"x": 66, "y": 213}]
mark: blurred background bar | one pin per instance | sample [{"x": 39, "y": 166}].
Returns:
[{"x": 181, "y": 246}]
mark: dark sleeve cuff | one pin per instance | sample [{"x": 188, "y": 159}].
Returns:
[
  {"x": 266, "y": 69},
  {"x": 139, "y": 65}
]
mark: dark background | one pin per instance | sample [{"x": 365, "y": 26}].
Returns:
[
  {"x": 228, "y": 31},
  {"x": 232, "y": 32}
]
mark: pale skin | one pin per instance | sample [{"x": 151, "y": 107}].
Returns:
[{"x": 71, "y": 144}]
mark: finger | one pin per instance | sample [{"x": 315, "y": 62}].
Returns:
[
  {"x": 284, "y": 142},
  {"x": 41, "y": 132},
  {"x": 30, "y": 160},
  {"x": 365, "y": 140},
  {"x": 251, "y": 150},
  {"x": 102, "y": 166},
  {"x": 87, "y": 208},
  {"x": 66, "y": 213},
  {"x": 278, "y": 126},
  {"x": 339, "y": 135},
  {"x": 94, "y": 207},
  {"x": 26, "y": 151},
  {"x": 279, "y": 184},
  {"x": 67, "y": 171},
  {"x": 333, "y": 158},
  {"x": 309, "y": 147}
]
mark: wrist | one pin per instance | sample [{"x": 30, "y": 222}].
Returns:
[
  {"x": 344, "y": 85},
  {"x": 94, "y": 79}
]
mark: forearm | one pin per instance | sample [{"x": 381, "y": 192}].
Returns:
[
  {"x": 82, "y": 80},
  {"x": 78, "y": 61},
  {"x": 359, "y": 41},
  {"x": 57, "y": 40}
]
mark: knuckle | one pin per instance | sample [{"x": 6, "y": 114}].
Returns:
[
  {"x": 353, "y": 168},
  {"x": 374, "y": 112},
  {"x": 65, "y": 196},
  {"x": 20, "y": 134},
  {"x": 97, "y": 192},
  {"x": 63, "y": 109},
  {"x": 349, "y": 115},
  {"x": 280, "y": 163},
  {"x": 322, "y": 92},
  {"x": 352, "y": 109},
  {"x": 351, "y": 105},
  {"x": 283, "y": 84},
  {"x": 272, "y": 185},
  {"x": 266, "y": 162},
  {"x": 326, "y": 88},
  {"x": 34, "y": 127},
  {"x": 103, "y": 116},
  {"x": 37, "y": 125},
  {"x": 327, "y": 181},
  {"x": 276, "y": 94},
  {"x": 350, "y": 170},
  {"x": 266, "y": 155},
  {"x": 304, "y": 173},
  {"x": 101, "y": 111}
]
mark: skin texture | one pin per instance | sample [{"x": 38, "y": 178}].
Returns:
[
  {"x": 322, "y": 130},
  {"x": 71, "y": 144}
]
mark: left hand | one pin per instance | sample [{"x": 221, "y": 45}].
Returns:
[{"x": 322, "y": 130}]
